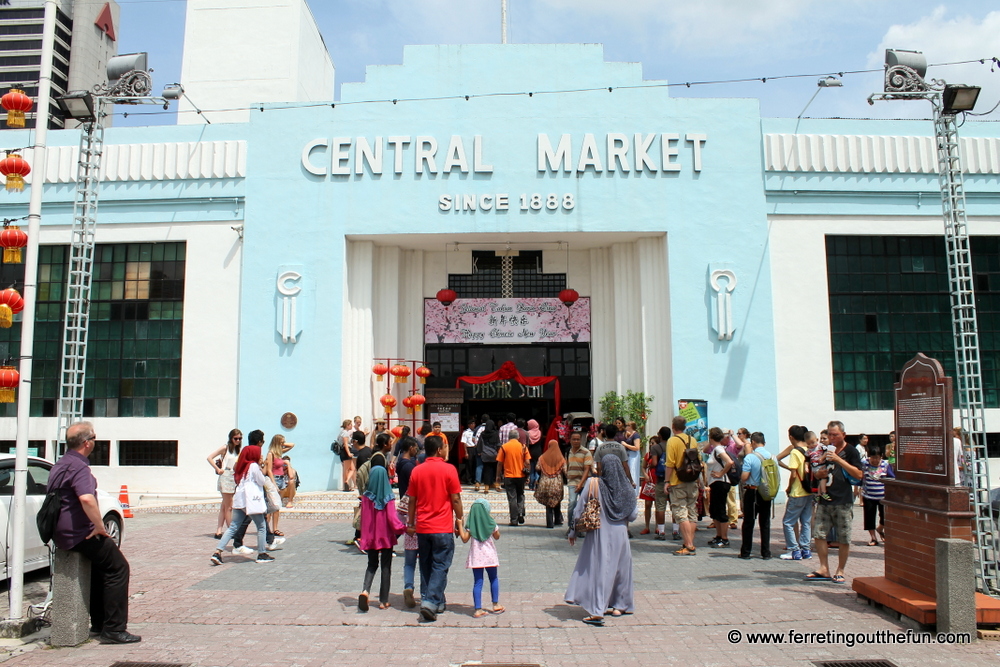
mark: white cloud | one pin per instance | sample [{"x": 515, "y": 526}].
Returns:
[{"x": 948, "y": 39}]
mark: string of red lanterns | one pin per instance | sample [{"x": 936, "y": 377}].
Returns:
[
  {"x": 400, "y": 371},
  {"x": 17, "y": 104},
  {"x": 12, "y": 239},
  {"x": 11, "y": 303}
]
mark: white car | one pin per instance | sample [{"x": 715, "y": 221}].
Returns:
[{"x": 36, "y": 554}]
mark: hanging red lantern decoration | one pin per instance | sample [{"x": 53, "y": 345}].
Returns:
[
  {"x": 17, "y": 104},
  {"x": 569, "y": 297},
  {"x": 397, "y": 432},
  {"x": 378, "y": 369},
  {"x": 447, "y": 296},
  {"x": 418, "y": 400},
  {"x": 423, "y": 373},
  {"x": 12, "y": 239},
  {"x": 9, "y": 378},
  {"x": 15, "y": 168},
  {"x": 400, "y": 372},
  {"x": 388, "y": 402},
  {"x": 408, "y": 404},
  {"x": 11, "y": 303}
]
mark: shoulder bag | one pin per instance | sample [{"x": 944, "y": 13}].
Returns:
[{"x": 590, "y": 517}]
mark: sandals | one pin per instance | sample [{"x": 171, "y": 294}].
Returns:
[
  {"x": 873, "y": 543},
  {"x": 816, "y": 576},
  {"x": 839, "y": 579},
  {"x": 499, "y": 609},
  {"x": 597, "y": 621},
  {"x": 684, "y": 551},
  {"x": 644, "y": 531},
  {"x": 384, "y": 605},
  {"x": 278, "y": 533},
  {"x": 479, "y": 613},
  {"x": 881, "y": 532}
]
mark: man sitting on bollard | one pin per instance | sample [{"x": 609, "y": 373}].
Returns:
[{"x": 80, "y": 528}]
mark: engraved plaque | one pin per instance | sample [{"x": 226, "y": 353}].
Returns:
[
  {"x": 289, "y": 420},
  {"x": 923, "y": 422}
]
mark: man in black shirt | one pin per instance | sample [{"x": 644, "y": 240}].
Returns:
[
  {"x": 838, "y": 510},
  {"x": 362, "y": 452}
]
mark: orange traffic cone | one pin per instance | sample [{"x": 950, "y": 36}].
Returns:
[{"x": 123, "y": 499}]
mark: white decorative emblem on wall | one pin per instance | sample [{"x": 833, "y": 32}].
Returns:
[
  {"x": 289, "y": 289},
  {"x": 724, "y": 324}
]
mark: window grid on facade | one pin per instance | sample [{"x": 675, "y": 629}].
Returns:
[
  {"x": 889, "y": 300},
  {"x": 101, "y": 456},
  {"x": 134, "y": 340},
  {"x": 147, "y": 452},
  {"x": 485, "y": 281}
]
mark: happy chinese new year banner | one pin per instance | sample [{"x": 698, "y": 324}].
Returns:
[{"x": 510, "y": 321}]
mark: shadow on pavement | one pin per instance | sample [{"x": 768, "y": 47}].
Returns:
[{"x": 565, "y": 612}]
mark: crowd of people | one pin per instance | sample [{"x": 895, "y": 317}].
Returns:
[{"x": 603, "y": 474}]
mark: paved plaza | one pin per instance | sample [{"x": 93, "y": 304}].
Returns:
[{"x": 300, "y": 611}]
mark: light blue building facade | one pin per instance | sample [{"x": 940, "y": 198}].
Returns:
[{"x": 708, "y": 242}]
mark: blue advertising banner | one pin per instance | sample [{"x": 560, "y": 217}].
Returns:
[{"x": 695, "y": 410}]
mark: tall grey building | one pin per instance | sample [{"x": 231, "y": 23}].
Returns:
[{"x": 86, "y": 34}]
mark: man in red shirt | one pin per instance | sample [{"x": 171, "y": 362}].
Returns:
[{"x": 435, "y": 510}]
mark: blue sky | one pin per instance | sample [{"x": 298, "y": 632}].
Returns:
[{"x": 675, "y": 40}]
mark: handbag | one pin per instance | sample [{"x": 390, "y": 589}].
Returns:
[
  {"x": 590, "y": 517},
  {"x": 648, "y": 491},
  {"x": 271, "y": 496}
]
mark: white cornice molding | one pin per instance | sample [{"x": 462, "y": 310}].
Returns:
[
  {"x": 187, "y": 160},
  {"x": 864, "y": 153}
]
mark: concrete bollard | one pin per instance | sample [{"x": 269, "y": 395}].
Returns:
[
  {"x": 956, "y": 585},
  {"x": 70, "y": 599}
]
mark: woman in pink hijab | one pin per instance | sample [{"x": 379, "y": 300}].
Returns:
[{"x": 535, "y": 447}]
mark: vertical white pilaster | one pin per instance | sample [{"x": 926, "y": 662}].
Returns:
[
  {"x": 602, "y": 326},
  {"x": 655, "y": 325},
  {"x": 385, "y": 302},
  {"x": 358, "y": 342},
  {"x": 411, "y": 304}
]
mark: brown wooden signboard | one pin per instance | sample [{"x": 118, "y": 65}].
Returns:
[{"x": 923, "y": 423}]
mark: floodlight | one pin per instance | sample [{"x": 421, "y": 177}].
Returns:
[
  {"x": 78, "y": 105},
  {"x": 958, "y": 98},
  {"x": 173, "y": 92}
]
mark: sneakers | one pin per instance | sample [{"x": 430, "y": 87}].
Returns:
[
  {"x": 806, "y": 554},
  {"x": 216, "y": 558},
  {"x": 428, "y": 614},
  {"x": 273, "y": 546},
  {"x": 408, "y": 598},
  {"x": 677, "y": 537},
  {"x": 278, "y": 540},
  {"x": 265, "y": 558},
  {"x": 349, "y": 543},
  {"x": 243, "y": 551},
  {"x": 795, "y": 554},
  {"x": 684, "y": 551},
  {"x": 718, "y": 542},
  {"x": 661, "y": 536}
]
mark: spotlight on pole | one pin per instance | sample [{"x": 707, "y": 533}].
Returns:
[
  {"x": 78, "y": 105},
  {"x": 956, "y": 99}
]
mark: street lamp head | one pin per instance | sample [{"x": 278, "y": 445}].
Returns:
[
  {"x": 915, "y": 60},
  {"x": 173, "y": 92},
  {"x": 78, "y": 105},
  {"x": 830, "y": 82},
  {"x": 121, "y": 65},
  {"x": 905, "y": 71},
  {"x": 958, "y": 98}
]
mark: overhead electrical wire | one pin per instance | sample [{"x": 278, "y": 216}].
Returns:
[{"x": 993, "y": 61}]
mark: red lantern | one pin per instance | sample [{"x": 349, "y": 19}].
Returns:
[
  {"x": 418, "y": 400},
  {"x": 12, "y": 239},
  {"x": 408, "y": 404},
  {"x": 446, "y": 297},
  {"x": 15, "y": 168},
  {"x": 397, "y": 432},
  {"x": 423, "y": 373},
  {"x": 569, "y": 297},
  {"x": 401, "y": 372},
  {"x": 378, "y": 369},
  {"x": 388, "y": 402},
  {"x": 10, "y": 304},
  {"x": 9, "y": 378},
  {"x": 16, "y": 103}
]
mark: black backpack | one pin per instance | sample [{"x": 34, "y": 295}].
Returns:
[
  {"x": 336, "y": 447},
  {"x": 732, "y": 475},
  {"x": 691, "y": 464},
  {"x": 809, "y": 485},
  {"x": 47, "y": 516}
]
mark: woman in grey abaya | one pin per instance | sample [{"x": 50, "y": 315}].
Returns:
[{"x": 602, "y": 578}]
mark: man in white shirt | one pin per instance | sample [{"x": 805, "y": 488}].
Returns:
[{"x": 473, "y": 465}]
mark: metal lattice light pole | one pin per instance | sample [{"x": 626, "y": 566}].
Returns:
[{"x": 904, "y": 80}]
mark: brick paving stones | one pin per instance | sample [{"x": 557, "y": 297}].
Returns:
[{"x": 300, "y": 611}]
